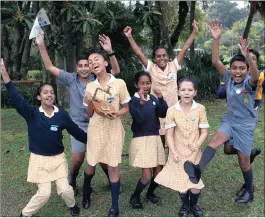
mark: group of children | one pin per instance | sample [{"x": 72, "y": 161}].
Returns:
[{"x": 155, "y": 110}]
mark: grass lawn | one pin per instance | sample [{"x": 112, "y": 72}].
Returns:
[{"x": 222, "y": 178}]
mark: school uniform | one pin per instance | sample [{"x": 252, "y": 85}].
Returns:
[
  {"x": 258, "y": 97},
  {"x": 240, "y": 121},
  {"x": 166, "y": 81},
  {"x": 47, "y": 161},
  {"x": 105, "y": 137},
  {"x": 146, "y": 149},
  {"x": 186, "y": 132},
  {"x": 76, "y": 91}
]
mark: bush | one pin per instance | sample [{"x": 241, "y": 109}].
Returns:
[
  {"x": 27, "y": 91},
  {"x": 201, "y": 70}
]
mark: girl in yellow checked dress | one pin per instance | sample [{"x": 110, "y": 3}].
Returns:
[
  {"x": 187, "y": 130},
  {"x": 105, "y": 136}
]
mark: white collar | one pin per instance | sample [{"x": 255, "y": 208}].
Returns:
[
  {"x": 138, "y": 96},
  {"x": 56, "y": 109},
  {"x": 193, "y": 107},
  {"x": 112, "y": 79}
]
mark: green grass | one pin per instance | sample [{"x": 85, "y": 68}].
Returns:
[{"x": 222, "y": 178}]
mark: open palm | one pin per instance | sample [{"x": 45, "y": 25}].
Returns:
[
  {"x": 216, "y": 30},
  {"x": 105, "y": 43}
]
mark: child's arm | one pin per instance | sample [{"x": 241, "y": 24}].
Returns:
[
  {"x": 74, "y": 130},
  {"x": 188, "y": 43},
  {"x": 22, "y": 106},
  {"x": 45, "y": 57},
  {"x": 105, "y": 43},
  {"x": 253, "y": 70},
  {"x": 170, "y": 143},
  {"x": 216, "y": 30},
  {"x": 161, "y": 109},
  {"x": 88, "y": 103},
  {"x": 136, "y": 110},
  {"x": 136, "y": 49}
]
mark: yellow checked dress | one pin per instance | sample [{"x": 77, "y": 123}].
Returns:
[
  {"x": 105, "y": 137},
  {"x": 166, "y": 81},
  {"x": 186, "y": 132}
]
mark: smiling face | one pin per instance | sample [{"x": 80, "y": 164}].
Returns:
[
  {"x": 82, "y": 68},
  {"x": 144, "y": 83},
  {"x": 186, "y": 92},
  {"x": 46, "y": 95},
  {"x": 97, "y": 63},
  {"x": 239, "y": 70},
  {"x": 161, "y": 58}
]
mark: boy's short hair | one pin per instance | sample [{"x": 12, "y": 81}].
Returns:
[{"x": 239, "y": 57}]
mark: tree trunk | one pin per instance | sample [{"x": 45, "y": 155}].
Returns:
[
  {"x": 183, "y": 11},
  {"x": 252, "y": 11},
  {"x": 25, "y": 56},
  {"x": 192, "y": 17},
  {"x": 5, "y": 47}
]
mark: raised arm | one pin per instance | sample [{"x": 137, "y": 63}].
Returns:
[
  {"x": 188, "y": 43},
  {"x": 253, "y": 70},
  {"x": 216, "y": 30},
  {"x": 105, "y": 43},
  {"x": 45, "y": 57},
  {"x": 136, "y": 49},
  {"x": 22, "y": 106}
]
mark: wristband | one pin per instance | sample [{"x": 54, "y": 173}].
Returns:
[{"x": 112, "y": 53}]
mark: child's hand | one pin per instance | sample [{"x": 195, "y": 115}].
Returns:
[
  {"x": 141, "y": 94},
  {"x": 157, "y": 92},
  {"x": 40, "y": 39},
  {"x": 195, "y": 26},
  {"x": 215, "y": 29},
  {"x": 175, "y": 157},
  {"x": 2, "y": 67},
  {"x": 105, "y": 43},
  {"x": 88, "y": 98},
  {"x": 111, "y": 115},
  {"x": 243, "y": 46},
  {"x": 127, "y": 31},
  {"x": 194, "y": 147}
]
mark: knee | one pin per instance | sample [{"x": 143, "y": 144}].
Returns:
[
  {"x": 244, "y": 165},
  {"x": 45, "y": 193},
  {"x": 227, "y": 150}
]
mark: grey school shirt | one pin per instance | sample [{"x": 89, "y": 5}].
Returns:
[
  {"x": 240, "y": 99},
  {"x": 76, "y": 90}
]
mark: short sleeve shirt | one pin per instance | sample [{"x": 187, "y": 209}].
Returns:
[
  {"x": 76, "y": 90},
  {"x": 165, "y": 80},
  {"x": 240, "y": 98}
]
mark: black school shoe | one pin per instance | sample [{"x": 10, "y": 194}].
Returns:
[
  {"x": 75, "y": 211},
  {"x": 86, "y": 202},
  {"x": 193, "y": 171},
  {"x": 153, "y": 199},
  {"x": 197, "y": 212},
  {"x": 136, "y": 203},
  {"x": 184, "y": 211},
  {"x": 245, "y": 198},
  {"x": 113, "y": 213},
  {"x": 254, "y": 153},
  {"x": 242, "y": 190}
]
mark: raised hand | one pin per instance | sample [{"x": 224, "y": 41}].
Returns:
[
  {"x": 195, "y": 25},
  {"x": 3, "y": 71},
  {"x": 216, "y": 29},
  {"x": 127, "y": 31},
  {"x": 105, "y": 43},
  {"x": 40, "y": 38},
  {"x": 243, "y": 46}
]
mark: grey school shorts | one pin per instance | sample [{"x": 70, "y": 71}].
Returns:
[
  {"x": 241, "y": 133},
  {"x": 78, "y": 146}
]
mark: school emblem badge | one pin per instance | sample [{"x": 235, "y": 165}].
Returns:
[{"x": 54, "y": 128}]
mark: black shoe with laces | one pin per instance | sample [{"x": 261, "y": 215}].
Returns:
[
  {"x": 113, "y": 213},
  {"x": 193, "y": 171},
  {"x": 245, "y": 198},
  {"x": 184, "y": 210},
  {"x": 197, "y": 212},
  {"x": 242, "y": 190},
  {"x": 136, "y": 203},
  {"x": 75, "y": 211}
]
